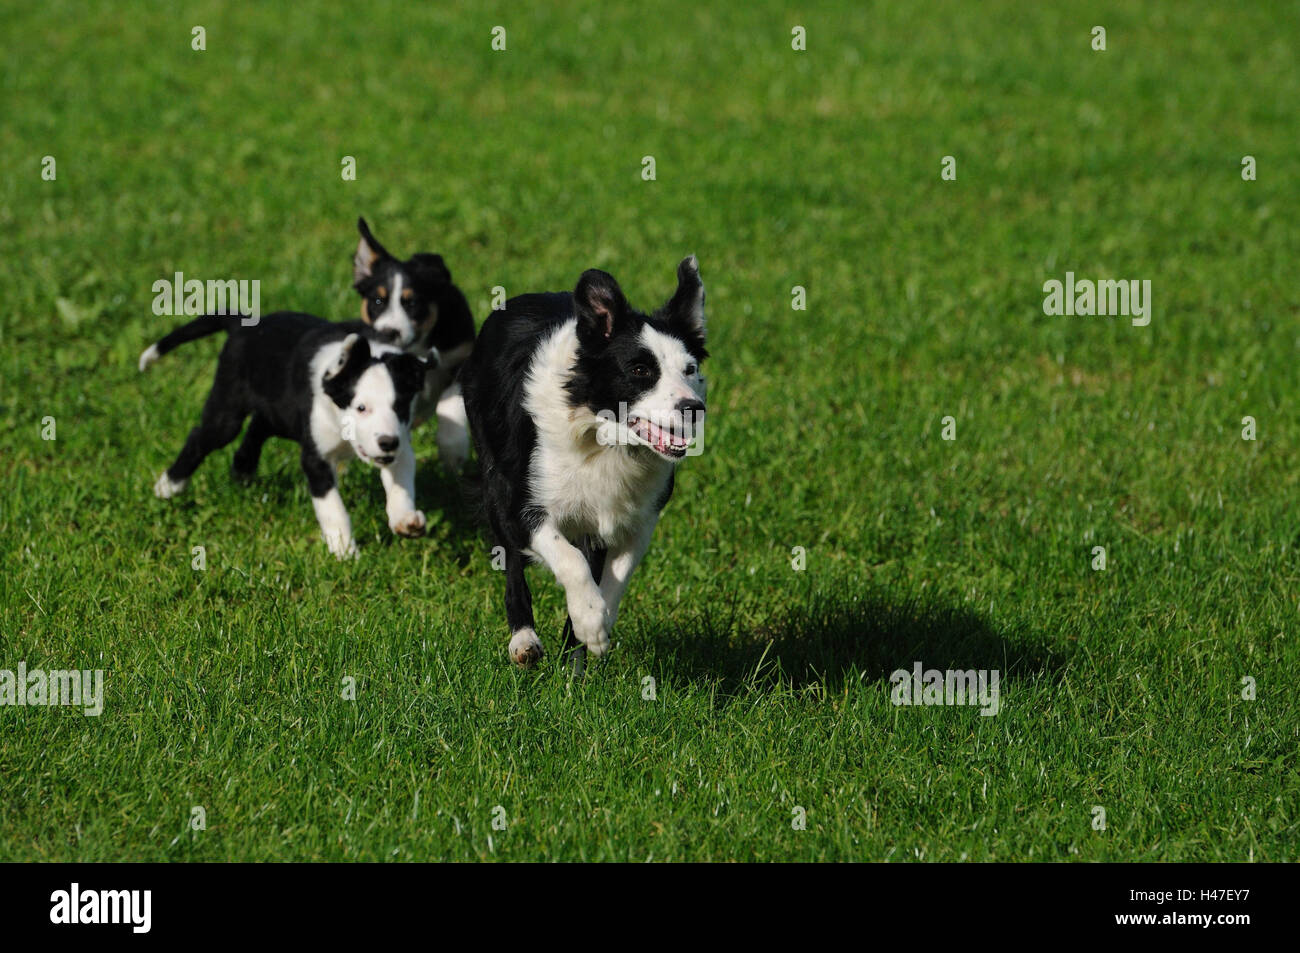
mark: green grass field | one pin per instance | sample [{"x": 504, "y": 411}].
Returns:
[{"x": 1121, "y": 689}]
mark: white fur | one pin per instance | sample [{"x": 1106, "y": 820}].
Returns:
[
  {"x": 525, "y": 647},
  {"x": 399, "y": 486},
  {"x": 453, "y": 428},
  {"x": 334, "y": 439},
  {"x": 394, "y": 318},
  {"x": 342, "y": 433},
  {"x": 619, "y": 566},
  {"x": 148, "y": 356},
  {"x": 442, "y": 397},
  {"x": 584, "y": 486},
  {"x": 586, "y": 605},
  {"x": 335, "y": 524},
  {"x": 589, "y": 487},
  {"x": 165, "y": 487},
  {"x": 679, "y": 379}
]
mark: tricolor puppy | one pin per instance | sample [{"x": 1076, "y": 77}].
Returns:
[
  {"x": 321, "y": 384},
  {"x": 581, "y": 407},
  {"x": 413, "y": 305}
]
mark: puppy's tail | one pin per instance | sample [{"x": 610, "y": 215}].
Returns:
[{"x": 198, "y": 328}]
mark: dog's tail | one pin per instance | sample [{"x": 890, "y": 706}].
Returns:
[{"x": 198, "y": 328}]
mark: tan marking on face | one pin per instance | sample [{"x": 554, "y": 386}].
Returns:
[
  {"x": 431, "y": 320},
  {"x": 407, "y": 294},
  {"x": 365, "y": 311}
]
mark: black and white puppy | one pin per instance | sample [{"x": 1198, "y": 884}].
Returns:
[
  {"x": 321, "y": 384},
  {"x": 413, "y": 305},
  {"x": 580, "y": 408}
]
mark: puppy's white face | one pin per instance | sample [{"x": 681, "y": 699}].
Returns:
[
  {"x": 371, "y": 423},
  {"x": 370, "y": 389},
  {"x": 667, "y": 416},
  {"x": 390, "y": 312}
]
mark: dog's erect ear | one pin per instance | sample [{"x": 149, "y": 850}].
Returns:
[
  {"x": 347, "y": 367},
  {"x": 432, "y": 266},
  {"x": 685, "y": 309},
  {"x": 407, "y": 372},
  {"x": 600, "y": 305},
  {"x": 369, "y": 251}
]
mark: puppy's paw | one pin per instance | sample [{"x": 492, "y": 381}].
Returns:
[
  {"x": 165, "y": 487},
  {"x": 525, "y": 648},
  {"x": 410, "y": 524},
  {"x": 342, "y": 547}
]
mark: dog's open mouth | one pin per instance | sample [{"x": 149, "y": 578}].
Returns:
[{"x": 667, "y": 443}]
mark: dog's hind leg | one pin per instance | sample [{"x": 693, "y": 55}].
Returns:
[
  {"x": 219, "y": 425},
  {"x": 244, "y": 466}
]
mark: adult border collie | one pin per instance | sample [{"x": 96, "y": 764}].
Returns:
[{"x": 580, "y": 408}]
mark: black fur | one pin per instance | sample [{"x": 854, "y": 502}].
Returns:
[
  {"x": 437, "y": 307},
  {"x": 263, "y": 376},
  {"x": 611, "y": 366}
]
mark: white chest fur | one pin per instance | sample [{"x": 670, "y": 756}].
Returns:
[{"x": 586, "y": 488}]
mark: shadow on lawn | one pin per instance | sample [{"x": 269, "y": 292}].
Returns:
[{"x": 833, "y": 640}]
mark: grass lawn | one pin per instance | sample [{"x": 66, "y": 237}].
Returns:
[{"x": 1121, "y": 689}]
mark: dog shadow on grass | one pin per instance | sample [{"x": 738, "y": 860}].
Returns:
[{"x": 831, "y": 640}]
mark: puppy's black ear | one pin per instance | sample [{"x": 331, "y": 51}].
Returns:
[
  {"x": 599, "y": 304},
  {"x": 347, "y": 367},
  {"x": 369, "y": 251},
  {"x": 432, "y": 267},
  {"x": 685, "y": 309}
]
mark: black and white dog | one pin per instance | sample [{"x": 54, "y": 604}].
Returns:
[
  {"x": 321, "y": 384},
  {"x": 580, "y": 408},
  {"x": 413, "y": 305}
]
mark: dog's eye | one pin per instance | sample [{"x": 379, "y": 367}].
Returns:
[
  {"x": 361, "y": 408},
  {"x": 640, "y": 370},
  {"x": 691, "y": 369},
  {"x": 377, "y": 303}
]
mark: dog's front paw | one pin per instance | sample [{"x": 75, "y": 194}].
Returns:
[
  {"x": 525, "y": 648},
  {"x": 342, "y": 547},
  {"x": 165, "y": 487},
  {"x": 590, "y": 623},
  {"x": 410, "y": 524}
]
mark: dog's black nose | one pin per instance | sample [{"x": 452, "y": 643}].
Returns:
[
  {"x": 691, "y": 406},
  {"x": 388, "y": 444},
  {"x": 389, "y": 336}
]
